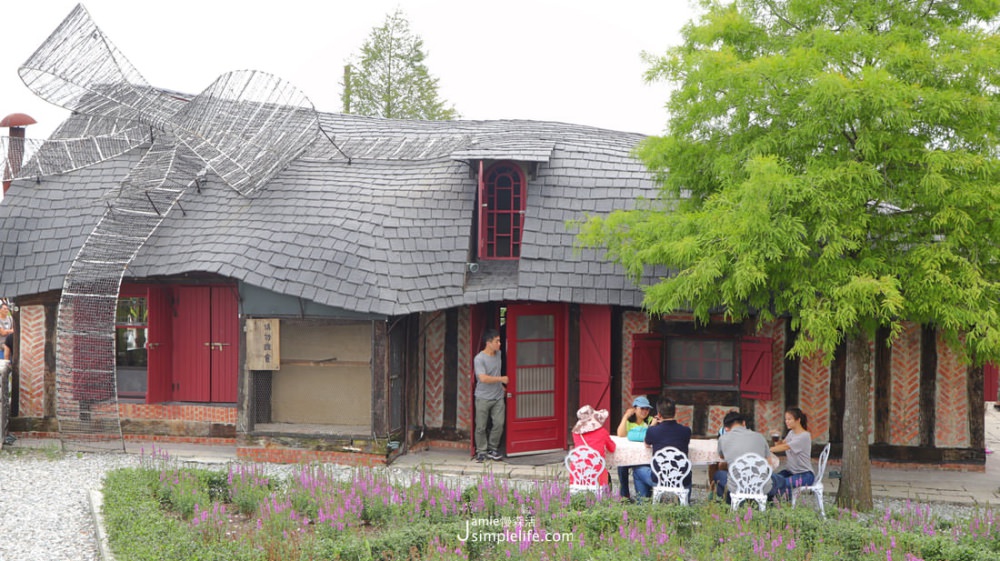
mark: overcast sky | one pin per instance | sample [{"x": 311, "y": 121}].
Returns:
[{"x": 571, "y": 61}]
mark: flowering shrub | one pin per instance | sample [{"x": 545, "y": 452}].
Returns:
[{"x": 367, "y": 513}]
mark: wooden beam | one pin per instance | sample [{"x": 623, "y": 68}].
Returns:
[
  {"x": 838, "y": 380},
  {"x": 883, "y": 385},
  {"x": 380, "y": 379},
  {"x": 450, "y": 382},
  {"x": 791, "y": 368},
  {"x": 928, "y": 384},
  {"x": 977, "y": 407},
  {"x": 573, "y": 372}
]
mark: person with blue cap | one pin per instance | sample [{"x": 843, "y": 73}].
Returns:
[{"x": 635, "y": 417}]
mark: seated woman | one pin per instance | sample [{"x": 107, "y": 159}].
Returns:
[
  {"x": 636, "y": 416},
  {"x": 589, "y": 431},
  {"x": 797, "y": 447}
]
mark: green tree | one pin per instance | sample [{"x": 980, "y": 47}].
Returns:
[
  {"x": 390, "y": 78},
  {"x": 835, "y": 161}
]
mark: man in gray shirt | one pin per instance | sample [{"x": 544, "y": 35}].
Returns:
[
  {"x": 489, "y": 396},
  {"x": 739, "y": 440}
]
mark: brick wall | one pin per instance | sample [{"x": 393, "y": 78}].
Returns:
[
  {"x": 433, "y": 328},
  {"x": 464, "y": 421},
  {"x": 904, "y": 393},
  {"x": 31, "y": 361},
  {"x": 632, "y": 322},
  {"x": 770, "y": 414}
]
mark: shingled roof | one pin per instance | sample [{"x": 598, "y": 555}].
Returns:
[{"x": 381, "y": 225}]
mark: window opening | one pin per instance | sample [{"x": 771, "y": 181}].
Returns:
[
  {"x": 698, "y": 362},
  {"x": 503, "y": 197},
  {"x": 131, "y": 357}
]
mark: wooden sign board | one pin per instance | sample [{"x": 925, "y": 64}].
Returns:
[{"x": 263, "y": 344}]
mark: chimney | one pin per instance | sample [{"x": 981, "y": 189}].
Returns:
[{"x": 15, "y": 151}]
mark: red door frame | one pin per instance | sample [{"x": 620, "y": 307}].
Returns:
[{"x": 537, "y": 434}]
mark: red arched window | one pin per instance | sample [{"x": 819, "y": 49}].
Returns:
[{"x": 501, "y": 219}]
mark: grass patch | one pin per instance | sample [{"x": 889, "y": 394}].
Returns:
[{"x": 164, "y": 512}]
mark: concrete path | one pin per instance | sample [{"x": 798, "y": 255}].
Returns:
[{"x": 922, "y": 485}]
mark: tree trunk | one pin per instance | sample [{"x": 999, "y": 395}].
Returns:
[{"x": 855, "y": 490}]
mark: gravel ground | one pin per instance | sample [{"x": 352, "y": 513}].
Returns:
[{"x": 45, "y": 511}]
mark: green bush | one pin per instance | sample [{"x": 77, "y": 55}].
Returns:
[{"x": 150, "y": 516}]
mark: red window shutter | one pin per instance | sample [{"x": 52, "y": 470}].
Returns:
[
  {"x": 990, "y": 381},
  {"x": 756, "y": 367},
  {"x": 481, "y": 212},
  {"x": 595, "y": 356},
  {"x": 647, "y": 363}
]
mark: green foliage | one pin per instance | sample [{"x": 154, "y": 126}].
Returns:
[
  {"x": 391, "y": 523},
  {"x": 390, "y": 78},
  {"x": 834, "y": 160},
  {"x": 139, "y": 530},
  {"x": 182, "y": 490}
]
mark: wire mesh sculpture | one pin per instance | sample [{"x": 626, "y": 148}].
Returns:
[{"x": 245, "y": 127}]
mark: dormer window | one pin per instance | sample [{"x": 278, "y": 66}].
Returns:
[{"x": 502, "y": 194}]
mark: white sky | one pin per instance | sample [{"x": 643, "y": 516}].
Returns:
[{"x": 571, "y": 61}]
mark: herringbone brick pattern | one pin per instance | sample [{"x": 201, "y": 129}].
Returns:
[
  {"x": 685, "y": 415},
  {"x": 814, "y": 395},
  {"x": 199, "y": 413},
  {"x": 464, "y": 421},
  {"x": 951, "y": 423},
  {"x": 716, "y": 413},
  {"x": 904, "y": 396},
  {"x": 769, "y": 414},
  {"x": 632, "y": 322},
  {"x": 433, "y": 342},
  {"x": 31, "y": 361}
]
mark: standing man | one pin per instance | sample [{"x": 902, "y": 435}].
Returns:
[{"x": 490, "y": 395}]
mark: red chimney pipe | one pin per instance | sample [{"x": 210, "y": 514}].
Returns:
[{"x": 15, "y": 154}]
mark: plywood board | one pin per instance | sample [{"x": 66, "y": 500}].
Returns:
[{"x": 263, "y": 344}]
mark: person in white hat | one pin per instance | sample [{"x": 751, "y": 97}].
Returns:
[{"x": 589, "y": 431}]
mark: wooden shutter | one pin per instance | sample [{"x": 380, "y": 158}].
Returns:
[
  {"x": 647, "y": 363},
  {"x": 225, "y": 344},
  {"x": 481, "y": 213},
  {"x": 192, "y": 334},
  {"x": 990, "y": 382},
  {"x": 159, "y": 345},
  {"x": 595, "y": 356},
  {"x": 756, "y": 367}
]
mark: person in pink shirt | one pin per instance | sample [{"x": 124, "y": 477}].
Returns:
[{"x": 589, "y": 431}]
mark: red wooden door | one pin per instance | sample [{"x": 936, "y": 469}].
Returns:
[
  {"x": 595, "y": 357},
  {"x": 536, "y": 357},
  {"x": 159, "y": 346},
  {"x": 224, "y": 344},
  {"x": 192, "y": 344}
]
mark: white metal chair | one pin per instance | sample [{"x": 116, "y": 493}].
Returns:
[
  {"x": 585, "y": 467},
  {"x": 749, "y": 474},
  {"x": 670, "y": 466},
  {"x": 817, "y": 487}
]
